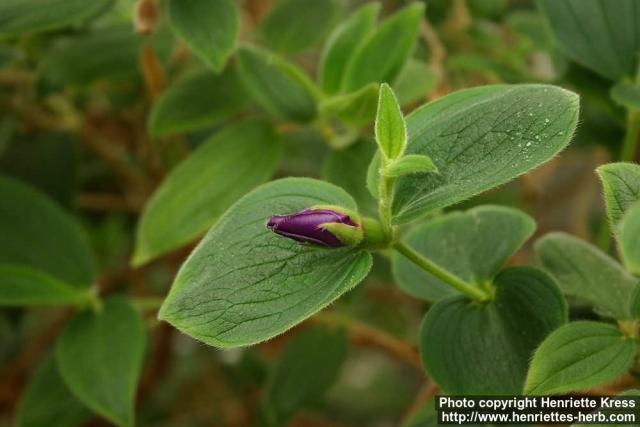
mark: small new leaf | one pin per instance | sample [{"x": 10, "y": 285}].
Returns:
[
  {"x": 413, "y": 163},
  {"x": 391, "y": 130}
]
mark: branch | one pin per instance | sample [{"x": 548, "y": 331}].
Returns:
[{"x": 428, "y": 391}]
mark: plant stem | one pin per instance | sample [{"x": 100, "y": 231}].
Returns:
[
  {"x": 442, "y": 274},
  {"x": 384, "y": 205},
  {"x": 631, "y": 136},
  {"x": 385, "y": 198}
]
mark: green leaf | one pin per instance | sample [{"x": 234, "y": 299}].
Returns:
[
  {"x": 600, "y": 36},
  {"x": 390, "y": 128},
  {"x": 105, "y": 54},
  {"x": 198, "y": 101},
  {"x": 578, "y": 356},
  {"x": 244, "y": 284},
  {"x": 626, "y": 94},
  {"x": 309, "y": 365},
  {"x": 342, "y": 43},
  {"x": 100, "y": 357},
  {"x": 621, "y": 185},
  {"x": 293, "y": 25},
  {"x": 383, "y": 53},
  {"x": 415, "y": 82},
  {"x": 208, "y": 27},
  {"x": 46, "y": 401},
  {"x": 21, "y": 285},
  {"x": 31, "y": 16},
  {"x": 203, "y": 186},
  {"x": 38, "y": 234},
  {"x": 347, "y": 168},
  {"x": 279, "y": 86},
  {"x": 473, "y": 245},
  {"x": 629, "y": 239},
  {"x": 357, "y": 108},
  {"x": 484, "y": 349},
  {"x": 413, "y": 163},
  {"x": 584, "y": 271},
  {"x": 481, "y": 138}
]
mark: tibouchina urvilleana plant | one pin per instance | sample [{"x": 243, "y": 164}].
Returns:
[
  {"x": 293, "y": 246},
  {"x": 266, "y": 198}
]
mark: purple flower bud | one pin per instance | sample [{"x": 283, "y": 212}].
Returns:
[{"x": 307, "y": 226}]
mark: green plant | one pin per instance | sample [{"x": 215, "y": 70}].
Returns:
[{"x": 249, "y": 191}]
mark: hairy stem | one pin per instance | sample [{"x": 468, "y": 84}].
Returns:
[
  {"x": 442, "y": 274},
  {"x": 631, "y": 136}
]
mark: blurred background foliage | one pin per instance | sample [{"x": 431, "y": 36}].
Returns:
[{"x": 95, "y": 112}]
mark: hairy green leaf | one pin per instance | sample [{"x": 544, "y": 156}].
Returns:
[
  {"x": 390, "y": 128},
  {"x": 577, "y": 356},
  {"x": 341, "y": 45},
  {"x": 413, "y": 163},
  {"x": 293, "y": 25},
  {"x": 199, "y": 100},
  {"x": 621, "y": 185},
  {"x": 597, "y": 34},
  {"x": 481, "y": 138},
  {"x": 20, "y": 285},
  {"x": 383, "y": 53},
  {"x": 208, "y": 27},
  {"x": 584, "y": 271},
  {"x": 204, "y": 185},
  {"x": 629, "y": 239},
  {"x": 279, "y": 86},
  {"x": 244, "y": 284},
  {"x": 100, "y": 357},
  {"x": 38, "y": 234},
  {"x": 308, "y": 366},
  {"x": 473, "y": 245},
  {"x": 29, "y": 16},
  {"x": 484, "y": 349},
  {"x": 46, "y": 401}
]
